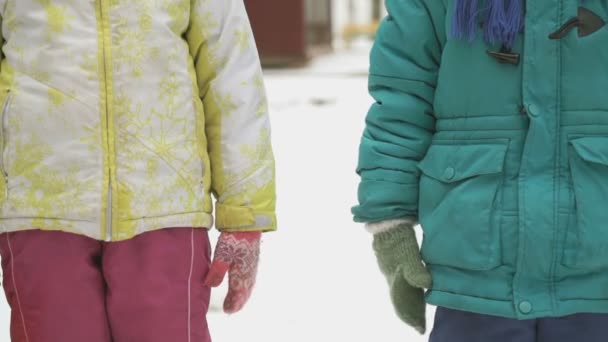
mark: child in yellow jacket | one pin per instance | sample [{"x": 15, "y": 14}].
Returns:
[{"x": 120, "y": 119}]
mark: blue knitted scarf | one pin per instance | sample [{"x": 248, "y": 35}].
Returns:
[{"x": 503, "y": 20}]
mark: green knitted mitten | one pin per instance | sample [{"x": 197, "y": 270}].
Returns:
[{"x": 399, "y": 259}]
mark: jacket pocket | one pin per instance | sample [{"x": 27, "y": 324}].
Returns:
[
  {"x": 459, "y": 204},
  {"x": 586, "y": 244}
]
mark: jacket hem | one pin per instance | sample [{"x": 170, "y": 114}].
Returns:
[
  {"x": 484, "y": 306},
  {"x": 127, "y": 229},
  {"x": 502, "y": 308}
]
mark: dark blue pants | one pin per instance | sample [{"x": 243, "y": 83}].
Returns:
[{"x": 458, "y": 326}]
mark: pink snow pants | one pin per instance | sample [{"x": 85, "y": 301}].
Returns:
[{"x": 64, "y": 287}]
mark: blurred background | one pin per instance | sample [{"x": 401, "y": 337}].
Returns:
[
  {"x": 318, "y": 278},
  {"x": 306, "y": 29}
]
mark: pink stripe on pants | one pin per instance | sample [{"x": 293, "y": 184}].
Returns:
[{"x": 64, "y": 287}]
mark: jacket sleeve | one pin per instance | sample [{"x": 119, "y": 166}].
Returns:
[
  {"x": 237, "y": 126},
  {"x": 404, "y": 65}
]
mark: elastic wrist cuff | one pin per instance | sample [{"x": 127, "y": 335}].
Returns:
[{"x": 385, "y": 226}]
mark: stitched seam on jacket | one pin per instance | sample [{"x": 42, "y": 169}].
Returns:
[
  {"x": 43, "y": 217},
  {"x": 51, "y": 86},
  {"x": 556, "y": 169},
  {"x": 142, "y": 143},
  {"x": 164, "y": 215}
]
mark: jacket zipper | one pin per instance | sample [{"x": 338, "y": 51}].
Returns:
[
  {"x": 3, "y": 143},
  {"x": 105, "y": 76}
]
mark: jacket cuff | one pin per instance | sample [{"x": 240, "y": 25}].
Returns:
[
  {"x": 243, "y": 219},
  {"x": 388, "y": 225}
]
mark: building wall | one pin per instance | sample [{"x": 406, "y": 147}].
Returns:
[
  {"x": 294, "y": 30},
  {"x": 278, "y": 37},
  {"x": 318, "y": 22},
  {"x": 351, "y": 12}
]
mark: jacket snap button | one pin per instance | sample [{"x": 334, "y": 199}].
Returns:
[
  {"x": 449, "y": 173},
  {"x": 532, "y": 110},
  {"x": 525, "y": 307}
]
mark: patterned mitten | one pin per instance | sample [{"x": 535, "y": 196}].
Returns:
[
  {"x": 399, "y": 259},
  {"x": 236, "y": 254}
]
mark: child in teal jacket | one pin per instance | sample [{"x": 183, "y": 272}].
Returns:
[{"x": 490, "y": 130}]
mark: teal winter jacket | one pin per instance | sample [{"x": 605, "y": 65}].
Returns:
[{"x": 500, "y": 154}]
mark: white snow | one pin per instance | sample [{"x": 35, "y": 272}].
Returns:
[{"x": 318, "y": 279}]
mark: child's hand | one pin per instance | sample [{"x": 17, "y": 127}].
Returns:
[
  {"x": 399, "y": 259},
  {"x": 236, "y": 254}
]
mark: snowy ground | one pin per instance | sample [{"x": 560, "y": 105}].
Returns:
[{"x": 318, "y": 278}]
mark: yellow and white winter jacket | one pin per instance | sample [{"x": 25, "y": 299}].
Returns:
[{"x": 123, "y": 116}]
